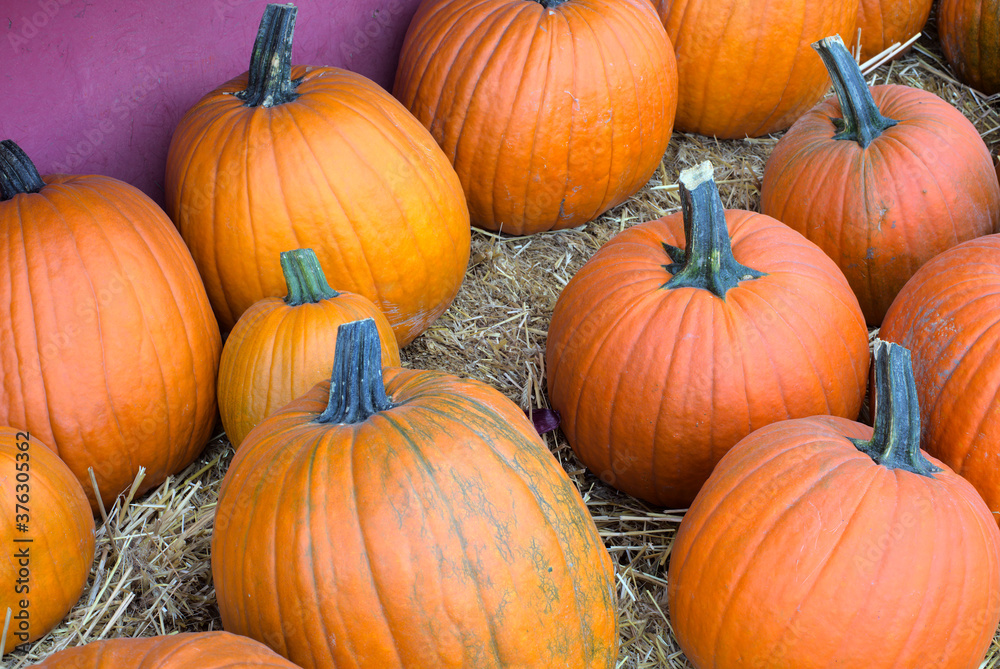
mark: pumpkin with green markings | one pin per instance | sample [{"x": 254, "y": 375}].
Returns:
[{"x": 418, "y": 520}]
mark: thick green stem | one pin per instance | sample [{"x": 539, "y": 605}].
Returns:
[
  {"x": 357, "y": 391},
  {"x": 17, "y": 173},
  {"x": 862, "y": 121},
  {"x": 304, "y": 278},
  {"x": 708, "y": 260},
  {"x": 895, "y": 441},
  {"x": 270, "y": 80}
]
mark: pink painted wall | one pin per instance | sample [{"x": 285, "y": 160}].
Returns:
[{"x": 97, "y": 86}]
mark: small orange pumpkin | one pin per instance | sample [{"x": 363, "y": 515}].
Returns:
[{"x": 280, "y": 348}]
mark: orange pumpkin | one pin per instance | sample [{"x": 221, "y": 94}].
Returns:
[
  {"x": 111, "y": 350},
  {"x": 285, "y": 157},
  {"x": 948, "y": 315},
  {"x": 418, "y": 521},
  {"x": 820, "y": 542},
  {"x": 882, "y": 179},
  {"x": 970, "y": 38},
  {"x": 47, "y": 534},
  {"x": 886, "y": 22},
  {"x": 744, "y": 66},
  {"x": 205, "y": 650},
  {"x": 551, "y": 111},
  {"x": 660, "y": 358},
  {"x": 280, "y": 348}
]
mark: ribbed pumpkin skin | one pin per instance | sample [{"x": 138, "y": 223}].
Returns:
[
  {"x": 886, "y": 564},
  {"x": 654, "y": 385},
  {"x": 885, "y": 22},
  {"x": 278, "y": 352},
  {"x": 59, "y": 541},
  {"x": 948, "y": 315},
  {"x": 395, "y": 537},
  {"x": 111, "y": 353},
  {"x": 745, "y": 67},
  {"x": 970, "y": 38},
  {"x": 922, "y": 186},
  {"x": 205, "y": 650},
  {"x": 343, "y": 169},
  {"x": 550, "y": 116}
]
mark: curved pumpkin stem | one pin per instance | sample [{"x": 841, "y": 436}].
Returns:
[
  {"x": 708, "y": 260},
  {"x": 862, "y": 121},
  {"x": 304, "y": 278},
  {"x": 17, "y": 173},
  {"x": 357, "y": 391},
  {"x": 895, "y": 442},
  {"x": 270, "y": 80}
]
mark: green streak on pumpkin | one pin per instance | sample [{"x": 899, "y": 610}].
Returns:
[
  {"x": 304, "y": 278},
  {"x": 270, "y": 81},
  {"x": 895, "y": 442},
  {"x": 18, "y": 174},
  {"x": 862, "y": 121},
  {"x": 707, "y": 262}
]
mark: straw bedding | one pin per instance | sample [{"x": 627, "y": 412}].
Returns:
[{"x": 152, "y": 572}]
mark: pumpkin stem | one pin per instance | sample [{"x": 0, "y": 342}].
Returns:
[
  {"x": 862, "y": 120},
  {"x": 304, "y": 278},
  {"x": 357, "y": 391},
  {"x": 270, "y": 80},
  {"x": 548, "y": 4},
  {"x": 895, "y": 441},
  {"x": 708, "y": 260},
  {"x": 17, "y": 172}
]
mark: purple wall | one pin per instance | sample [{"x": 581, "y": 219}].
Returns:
[{"x": 97, "y": 86}]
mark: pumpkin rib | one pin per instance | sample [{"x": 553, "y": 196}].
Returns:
[
  {"x": 986, "y": 414},
  {"x": 751, "y": 551},
  {"x": 666, "y": 373},
  {"x": 539, "y": 114},
  {"x": 784, "y": 89}
]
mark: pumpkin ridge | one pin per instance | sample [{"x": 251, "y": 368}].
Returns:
[
  {"x": 463, "y": 101},
  {"x": 995, "y": 401},
  {"x": 751, "y": 551},
  {"x": 768, "y": 118}
]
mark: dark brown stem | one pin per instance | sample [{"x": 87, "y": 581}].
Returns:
[
  {"x": 707, "y": 262},
  {"x": 895, "y": 441},
  {"x": 17, "y": 173},
  {"x": 270, "y": 81},
  {"x": 357, "y": 391}
]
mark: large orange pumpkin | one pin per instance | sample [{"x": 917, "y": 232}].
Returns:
[
  {"x": 948, "y": 315},
  {"x": 282, "y": 347},
  {"x": 421, "y": 523},
  {"x": 744, "y": 66},
  {"x": 47, "y": 534},
  {"x": 282, "y": 158},
  {"x": 882, "y": 179},
  {"x": 659, "y": 359},
  {"x": 886, "y": 22},
  {"x": 187, "y": 650},
  {"x": 970, "y": 38},
  {"x": 111, "y": 351},
  {"x": 552, "y": 111},
  {"x": 821, "y": 542}
]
